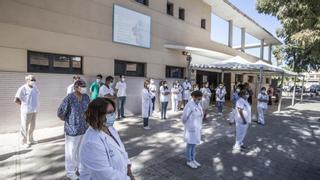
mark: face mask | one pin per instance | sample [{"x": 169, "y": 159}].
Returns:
[
  {"x": 207, "y": 85},
  {"x": 263, "y": 92},
  {"x": 220, "y": 86},
  {"x": 98, "y": 80},
  {"x": 152, "y": 81},
  {"x": 83, "y": 90},
  {"x": 110, "y": 118},
  {"x": 165, "y": 85},
  {"x": 111, "y": 84},
  {"x": 246, "y": 96},
  {"x": 197, "y": 101},
  {"x": 32, "y": 83},
  {"x": 238, "y": 90},
  {"x": 123, "y": 79}
]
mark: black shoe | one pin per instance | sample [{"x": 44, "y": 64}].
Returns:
[
  {"x": 243, "y": 147},
  {"x": 165, "y": 117},
  {"x": 123, "y": 116}
]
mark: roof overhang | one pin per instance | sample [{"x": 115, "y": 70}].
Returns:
[{"x": 228, "y": 11}]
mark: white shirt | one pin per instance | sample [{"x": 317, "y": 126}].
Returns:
[
  {"x": 70, "y": 89},
  {"x": 153, "y": 89},
  {"x": 243, "y": 104},
  {"x": 186, "y": 86},
  {"x": 104, "y": 90},
  {"x": 29, "y": 98},
  {"x": 122, "y": 88},
  {"x": 101, "y": 157},
  {"x": 265, "y": 97},
  {"x": 164, "y": 98}
]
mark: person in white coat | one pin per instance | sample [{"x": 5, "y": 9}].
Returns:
[
  {"x": 164, "y": 99},
  {"x": 179, "y": 95},
  {"x": 206, "y": 96},
  {"x": 262, "y": 105},
  {"x": 102, "y": 153},
  {"x": 186, "y": 91},
  {"x": 153, "y": 90},
  {"x": 146, "y": 104},
  {"x": 243, "y": 119},
  {"x": 192, "y": 120},
  {"x": 220, "y": 97},
  {"x": 175, "y": 97}
]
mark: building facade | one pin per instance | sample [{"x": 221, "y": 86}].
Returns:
[{"x": 56, "y": 39}]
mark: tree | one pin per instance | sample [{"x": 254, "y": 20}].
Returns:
[{"x": 301, "y": 31}]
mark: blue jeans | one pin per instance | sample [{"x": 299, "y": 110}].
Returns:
[
  {"x": 191, "y": 152},
  {"x": 220, "y": 106},
  {"x": 121, "y": 101},
  {"x": 164, "y": 106}
]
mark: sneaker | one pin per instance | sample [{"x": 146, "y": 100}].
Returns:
[
  {"x": 33, "y": 142},
  {"x": 73, "y": 177},
  {"x": 196, "y": 163},
  {"x": 146, "y": 128},
  {"x": 243, "y": 147},
  {"x": 26, "y": 145},
  {"x": 192, "y": 165}
]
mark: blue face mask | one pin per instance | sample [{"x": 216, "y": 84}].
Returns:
[{"x": 110, "y": 118}]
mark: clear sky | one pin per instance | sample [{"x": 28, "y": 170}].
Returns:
[{"x": 219, "y": 27}]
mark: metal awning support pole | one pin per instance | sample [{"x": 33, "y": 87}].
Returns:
[
  {"x": 281, "y": 86},
  {"x": 188, "y": 58},
  {"x": 261, "y": 78},
  {"x": 222, "y": 77},
  {"x": 294, "y": 91},
  {"x": 301, "y": 99}
]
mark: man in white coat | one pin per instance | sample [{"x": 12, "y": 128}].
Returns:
[
  {"x": 186, "y": 85},
  {"x": 146, "y": 110},
  {"x": 27, "y": 97},
  {"x": 262, "y": 105},
  {"x": 192, "y": 120},
  {"x": 102, "y": 153}
]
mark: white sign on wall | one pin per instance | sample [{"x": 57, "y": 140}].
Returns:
[{"x": 131, "y": 27}]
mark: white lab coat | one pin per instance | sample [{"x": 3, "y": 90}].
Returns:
[
  {"x": 241, "y": 129},
  {"x": 186, "y": 90},
  {"x": 192, "y": 119},
  {"x": 101, "y": 158},
  {"x": 262, "y": 106},
  {"x": 220, "y": 94},
  {"x": 146, "y": 110},
  {"x": 205, "y": 98}
]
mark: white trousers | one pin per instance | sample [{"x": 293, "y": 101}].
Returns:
[
  {"x": 241, "y": 131},
  {"x": 261, "y": 112},
  {"x": 28, "y": 124},
  {"x": 72, "y": 147},
  {"x": 174, "y": 104}
]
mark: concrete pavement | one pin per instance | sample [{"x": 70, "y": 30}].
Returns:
[{"x": 286, "y": 148}]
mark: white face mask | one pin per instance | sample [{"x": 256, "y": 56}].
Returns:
[
  {"x": 220, "y": 86},
  {"x": 263, "y": 92},
  {"x": 111, "y": 84},
  {"x": 83, "y": 90},
  {"x": 165, "y": 85},
  {"x": 123, "y": 79},
  {"x": 110, "y": 119},
  {"x": 238, "y": 90},
  {"x": 152, "y": 81},
  {"x": 98, "y": 80},
  {"x": 246, "y": 96},
  {"x": 32, "y": 83}
]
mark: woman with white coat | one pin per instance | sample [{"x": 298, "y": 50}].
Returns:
[
  {"x": 102, "y": 154},
  {"x": 262, "y": 106},
  {"x": 206, "y": 92},
  {"x": 243, "y": 119},
  {"x": 146, "y": 104},
  {"x": 192, "y": 120},
  {"x": 175, "y": 97}
]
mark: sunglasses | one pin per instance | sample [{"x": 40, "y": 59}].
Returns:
[{"x": 33, "y": 80}]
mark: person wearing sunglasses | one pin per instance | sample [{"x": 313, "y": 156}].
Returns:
[
  {"x": 27, "y": 97},
  {"x": 102, "y": 153}
]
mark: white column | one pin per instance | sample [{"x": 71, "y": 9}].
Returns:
[
  {"x": 269, "y": 52},
  {"x": 243, "y": 39},
  {"x": 230, "y": 34},
  {"x": 261, "y": 48},
  {"x": 294, "y": 91},
  {"x": 281, "y": 86}
]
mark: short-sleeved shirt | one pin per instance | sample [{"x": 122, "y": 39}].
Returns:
[
  {"x": 94, "y": 88},
  {"x": 72, "y": 111},
  {"x": 164, "y": 98},
  {"x": 265, "y": 97},
  {"x": 29, "y": 97},
  {"x": 243, "y": 104},
  {"x": 122, "y": 88},
  {"x": 104, "y": 90}
]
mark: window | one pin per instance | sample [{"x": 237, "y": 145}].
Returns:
[
  {"x": 239, "y": 78},
  {"x": 144, "y": 2},
  {"x": 129, "y": 68},
  {"x": 203, "y": 23},
  {"x": 181, "y": 13},
  {"x": 250, "y": 79},
  {"x": 170, "y": 8},
  {"x": 54, "y": 63},
  {"x": 267, "y": 80},
  {"x": 174, "y": 72}
]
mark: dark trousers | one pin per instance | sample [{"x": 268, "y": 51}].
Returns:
[
  {"x": 153, "y": 102},
  {"x": 270, "y": 100},
  {"x": 164, "y": 106},
  {"x": 121, "y": 101},
  {"x": 145, "y": 122}
]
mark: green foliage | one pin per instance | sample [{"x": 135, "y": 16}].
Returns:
[{"x": 301, "y": 31}]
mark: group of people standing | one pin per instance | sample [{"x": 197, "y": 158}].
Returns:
[{"x": 93, "y": 148}]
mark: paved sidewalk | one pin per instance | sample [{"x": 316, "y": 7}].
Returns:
[{"x": 286, "y": 148}]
